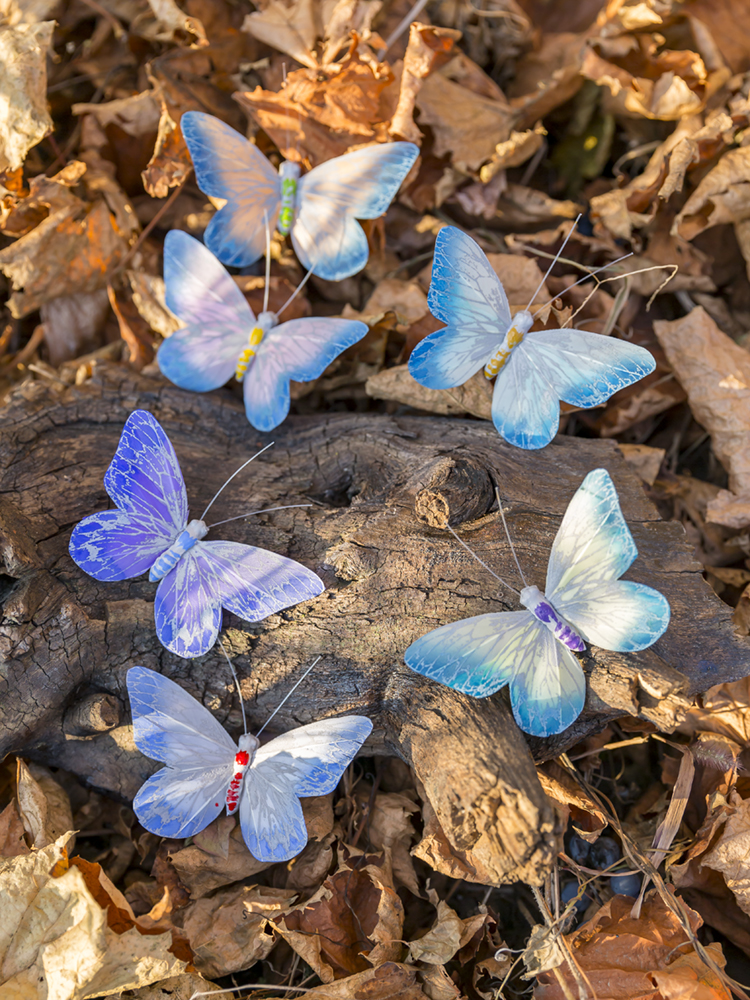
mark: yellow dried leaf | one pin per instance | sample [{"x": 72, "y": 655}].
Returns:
[
  {"x": 55, "y": 942},
  {"x": 447, "y": 935},
  {"x": 24, "y": 118}
]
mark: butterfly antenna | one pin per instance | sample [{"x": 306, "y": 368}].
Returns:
[
  {"x": 587, "y": 275},
  {"x": 554, "y": 261},
  {"x": 298, "y": 289},
  {"x": 203, "y": 515},
  {"x": 267, "y": 289},
  {"x": 287, "y": 697},
  {"x": 237, "y": 685},
  {"x": 507, "y": 533},
  {"x": 482, "y": 563},
  {"x": 266, "y": 510}
]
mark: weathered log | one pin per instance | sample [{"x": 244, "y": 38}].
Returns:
[{"x": 381, "y": 487}]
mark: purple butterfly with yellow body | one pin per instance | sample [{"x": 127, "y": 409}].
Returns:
[
  {"x": 208, "y": 772},
  {"x": 584, "y": 601},
  {"x": 533, "y": 369},
  {"x": 319, "y": 209},
  {"x": 222, "y": 337},
  {"x": 149, "y": 532}
]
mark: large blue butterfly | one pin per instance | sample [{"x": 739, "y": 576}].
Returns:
[
  {"x": 319, "y": 209},
  {"x": 223, "y": 338},
  {"x": 149, "y": 531},
  {"x": 535, "y": 369},
  {"x": 584, "y": 601},
  {"x": 207, "y": 771}
]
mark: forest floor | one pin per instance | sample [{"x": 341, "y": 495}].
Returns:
[{"x": 633, "y": 114}]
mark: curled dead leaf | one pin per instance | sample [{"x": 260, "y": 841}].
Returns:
[
  {"x": 353, "y": 922},
  {"x": 24, "y": 117},
  {"x": 446, "y": 937},
  {"x": 43, "y": 805},
  {"x": 428, "y": 49},
  {"x": 715, "y": 373}
]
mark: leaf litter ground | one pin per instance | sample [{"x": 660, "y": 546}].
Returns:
[{"x": 526, "y": 113}]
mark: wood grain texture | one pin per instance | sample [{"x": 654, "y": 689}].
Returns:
[{"x": 381, "y": 486}]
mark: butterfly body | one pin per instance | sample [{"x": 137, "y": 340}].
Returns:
[
  {"x": 206, "y": 771},
  {"x": 584, "y": 601},
  {"x": 266, "y": 322},
  {"x": 289, "y": 173},
  {"x": 248, "y": 744},
  {"x": 149, "y": 531},
  {"x": 521, "y": 325},
  {"x": 534, "y": 369},
  {"x": 543, "y": 610},
  {"x": 185, "y": 541},
  {"x": 222, "y": 337},
  {"x": 319, "y": 210}
]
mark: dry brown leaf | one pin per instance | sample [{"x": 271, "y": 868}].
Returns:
[
  {"x": 389, "y": 981},
  {"x": 24, "y": 118},
  {"x": 353, "y": 922},
  {"x": 638, "y": 959},
  {"x": 43, "y": 805},
  {"x": 515, "y": 150},
  {"x": 723, "y": 196},
  {"x": 428, "y": 49},
  {"x": 136, "y": 115},
  {"x": 547, "y": 76},
  {"x": 466, "y": 126},
  {"x": 447, "y": 936},
  {"x": 391, "y": 829},
  {"x": 572, "y": 801},
  {"x": 55, "y": 941},
  {"x": 645, "y": 460},
  {"x": 730, "y": 854},
  {"x": 715, "y": 373},
  {"x": 182, "y": 987},
  {"x": 72, "y": 324},
  {"x": 170, "y": 162},
  {"x": 70, "y": 251},
  {"x": 149, "y": 298},
  {"x": 227, "y": 931},
  {"x": 320, "y": 114},
  {"x": 12, "y": 832},
  {"x": 172, "y": 22}
]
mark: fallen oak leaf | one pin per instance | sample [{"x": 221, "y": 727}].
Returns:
[
  {"x": 389, "y": 981},
  {"x": 447, "y": 936},
  {"x": 428, "y": 48}
]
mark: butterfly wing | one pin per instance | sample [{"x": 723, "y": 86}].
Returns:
[
  {"x": 548, "y": 689},
  {"x": 228, "y": 166},
  {"x": 333, "y": 195},
  {"x": 586, "y": 368},
  {"x": 145, "y": 482},
  {"x": 525, "y": 406},
  {"x": 306, "y": 761},
  {"x": 218, "y": 320},
  {"x": 251, "y": 582},
  {"x": 171, "y": 726},
  {"x": 592, "y": 549},
  {"x": 480, "y": 655},
  {"x": 300, "y": 349},
  {"x": 466, "y": 294}
]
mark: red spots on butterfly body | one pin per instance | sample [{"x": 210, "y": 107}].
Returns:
[{"x": 241, "y": 760}]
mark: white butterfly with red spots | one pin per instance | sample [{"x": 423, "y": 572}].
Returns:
[{"x": 208, "y": 772}]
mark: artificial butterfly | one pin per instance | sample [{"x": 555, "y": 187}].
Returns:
[
  {"x": 222, "y": 337},
  {"x": 149, "y": 530},
  {"x": 584, "y": 601},
  {"x": 533, "y": 369},
  {"x": 319, "y": 209},
  {"x": 207, "y": 771}
]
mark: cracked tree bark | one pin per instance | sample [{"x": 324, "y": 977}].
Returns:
[{"x": 382, "y": 488}]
